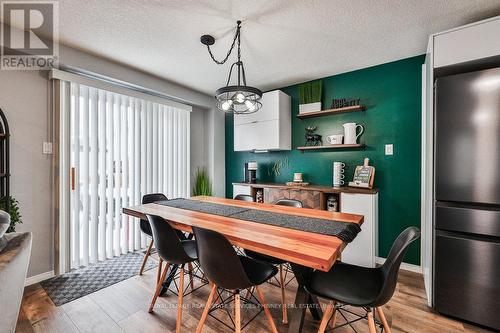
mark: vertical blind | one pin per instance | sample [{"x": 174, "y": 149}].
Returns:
[{"x": 121, "y": 147}]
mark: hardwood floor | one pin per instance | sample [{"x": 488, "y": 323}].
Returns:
[{"x": 123, "y": 307}]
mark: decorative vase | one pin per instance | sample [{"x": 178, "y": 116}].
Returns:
[{"x": 4, "y": 225}]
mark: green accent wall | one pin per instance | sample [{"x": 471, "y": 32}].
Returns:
[{"x": 392, "y": 95}]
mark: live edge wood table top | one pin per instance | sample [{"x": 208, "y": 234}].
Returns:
[{"x": 307, "y": 249}]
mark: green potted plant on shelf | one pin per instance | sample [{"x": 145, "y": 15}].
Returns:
[
  {"x": 202, "y": 184},
  {"x": 15, "y": 214},
  {"x": 310, "y": 96}
]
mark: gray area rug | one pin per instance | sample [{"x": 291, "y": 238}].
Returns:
[{"x": 81, "y": 282}]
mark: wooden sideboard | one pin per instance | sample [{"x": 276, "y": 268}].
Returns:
[
  {"x": 311, "y": 196},
  {"x": 353, "y": 200}
]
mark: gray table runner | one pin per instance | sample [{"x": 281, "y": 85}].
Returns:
[{"x": 346, "y": 231}]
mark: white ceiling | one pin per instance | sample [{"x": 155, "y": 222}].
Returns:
[{"x": 283, "y": 41}]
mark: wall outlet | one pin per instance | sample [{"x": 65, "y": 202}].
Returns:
[
  {"x": 47, "y": 148},
  {"x": 389, "y": 149}
]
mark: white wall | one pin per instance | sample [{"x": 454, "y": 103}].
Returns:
[
  {"x": 24, "y": 97},
  {"x": 199, "y": 137}
]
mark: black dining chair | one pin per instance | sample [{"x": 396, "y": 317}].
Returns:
[
  {"x": 146, "y": 229},
  {"x": 173, "y": 251},
  {"x": 276, "y": 261},
  {"x": 225, "y": 269},
  {"x": 244, "y": 197},
  {"x": 368, "y": 288},
  {"x": 289, "y": 203}
]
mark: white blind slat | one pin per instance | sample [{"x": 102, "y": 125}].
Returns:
[
  {"x": 101, "y": 114},
  {"x": 84, "y": 107},
  {"x": 109, "y": 175},
  {"x": 75, "y": 164},
  {"x": 94, "y": 182}
]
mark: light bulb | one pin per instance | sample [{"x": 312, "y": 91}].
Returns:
[
  {"x": 226, "y": 105},
  {"x": 250, "y": 105},
  {"x": 240, "y": 98}
]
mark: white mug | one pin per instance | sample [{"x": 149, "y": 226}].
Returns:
[
  {"x": 338, "y": 173},
  {"x": 338, "y": 182},
  {"x": 350, "y": 135},
  {"x": 339, "y": 165},
  {"x": 335, "y": 139}
]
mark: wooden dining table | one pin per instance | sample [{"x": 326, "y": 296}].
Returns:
[{"x": 305, "y": 251}]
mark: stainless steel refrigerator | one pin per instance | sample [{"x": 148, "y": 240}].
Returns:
[{"x": 467, "y": 197}]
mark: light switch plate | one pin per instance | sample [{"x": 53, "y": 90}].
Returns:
[
  {"x": 47, "y": 148},
  {"x": 389, "y": 149}
]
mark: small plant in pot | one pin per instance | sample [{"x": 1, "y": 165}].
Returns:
[
  {"x": 13, "y": 210},
  {"x": 9, "y": 217},
  {"x": 202, "y": 184},
  {"x": 310, "y": 96}
]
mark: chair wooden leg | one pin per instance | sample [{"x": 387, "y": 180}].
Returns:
[
  {"x": 179, "y": 303},
  {"x": 381, "y": 315},
  {"x": 190, "y": 266},
  {"x": 158, "y": 274},
  {"x": 262, "y": 301},
  {"x": 207, "y": 308},
  {"x": 283, "y": 297},
  {"x": 326, "y": 317},
  {"x": 216, "y": 300},
  {"x": 237, "y": 313},
  {"x": 334, "y": 317},
  {"x": 148, "y": 253},
  {"x": 158, "y": 287},
  {"x": 371, "y": 323}
]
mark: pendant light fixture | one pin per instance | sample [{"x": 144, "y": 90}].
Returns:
[{"x": 239, "y": 98}]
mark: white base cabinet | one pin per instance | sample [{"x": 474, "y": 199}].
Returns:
[{"x": 363, "y": 249}]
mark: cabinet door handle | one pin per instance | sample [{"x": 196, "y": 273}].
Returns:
[{"x": 254, "y": 122}]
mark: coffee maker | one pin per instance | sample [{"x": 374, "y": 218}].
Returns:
[{"x": 250, "y": 172}]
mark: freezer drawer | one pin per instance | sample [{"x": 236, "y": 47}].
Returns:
[
  {"x": 474, "y": 220},
  {"x": 466, "y": 275}
]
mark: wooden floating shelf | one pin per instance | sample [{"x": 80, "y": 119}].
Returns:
[
  {"x": 346, "y": 109},
  {"x": 357, "y": 145}
]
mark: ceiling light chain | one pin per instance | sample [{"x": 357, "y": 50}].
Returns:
[{"x": 230, "y": 50}]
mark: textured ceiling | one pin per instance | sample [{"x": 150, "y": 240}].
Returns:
[{"x": 283, "y": 41}]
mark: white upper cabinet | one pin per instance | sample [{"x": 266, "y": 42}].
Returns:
[
  {"x": 267, "y": 129},
  {"x": 472, "y": 42}
]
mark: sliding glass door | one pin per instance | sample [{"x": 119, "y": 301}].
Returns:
[{"x": 120, "y": 148}]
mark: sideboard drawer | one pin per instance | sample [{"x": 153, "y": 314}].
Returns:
[
  {"x": 271, "y": 195},
  {"x": 310, "y": 199}
]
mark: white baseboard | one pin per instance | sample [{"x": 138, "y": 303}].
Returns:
[
  {"x": 404, "y": 265},
  {"x": 38, "y": 278}
]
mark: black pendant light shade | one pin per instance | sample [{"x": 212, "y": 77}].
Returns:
[{"x": 239, "y": 98}]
